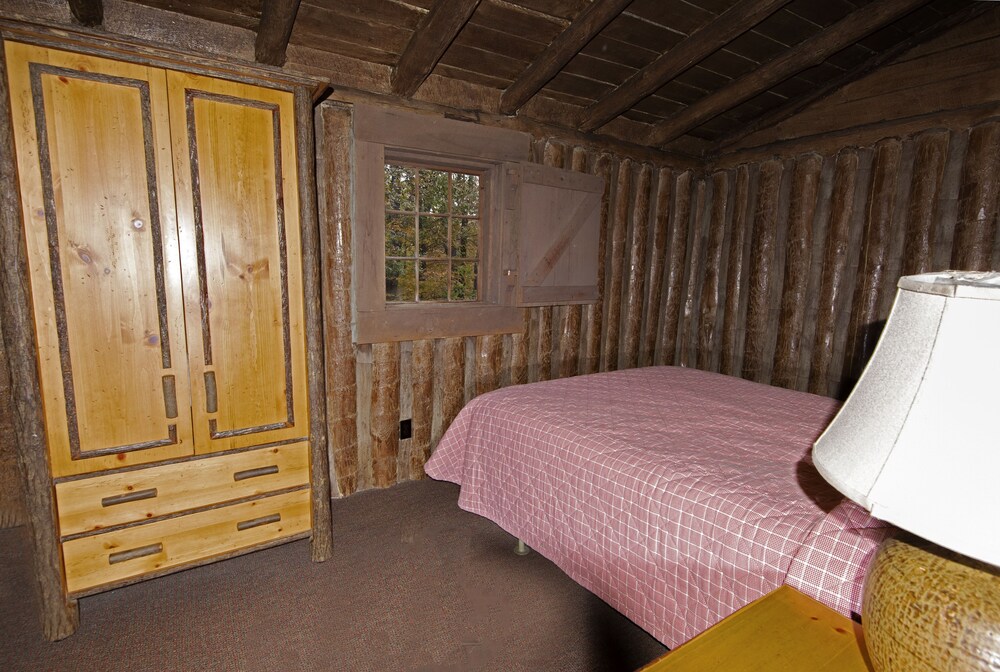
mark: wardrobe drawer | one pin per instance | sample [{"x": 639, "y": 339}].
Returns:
[
  {"x": 153, "y": 547},
  {"x": 90, "y": 504}
]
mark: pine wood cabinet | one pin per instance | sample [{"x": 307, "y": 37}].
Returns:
[{"x": 161, "y": 222}]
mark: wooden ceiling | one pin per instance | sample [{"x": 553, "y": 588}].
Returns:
[{"x": 694, "y": 75}]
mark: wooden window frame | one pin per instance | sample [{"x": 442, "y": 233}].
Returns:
[{"x": 382, "y": 134}]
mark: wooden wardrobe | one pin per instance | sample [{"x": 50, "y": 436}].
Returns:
[{"x": 166, "y": 306}]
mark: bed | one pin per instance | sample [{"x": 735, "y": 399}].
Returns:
[{"x": 675, "y": 495}]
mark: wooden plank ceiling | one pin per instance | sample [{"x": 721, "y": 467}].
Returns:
[{"x": 693, "y": 75}]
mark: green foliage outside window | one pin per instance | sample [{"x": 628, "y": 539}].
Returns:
[{"x": 431, "y": 235}]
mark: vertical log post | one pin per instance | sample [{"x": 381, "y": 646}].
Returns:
[
  {"x": 385, "y": 413},
  {"x": 798, "y": 250},
  {"x": 928, "y": 170},
  {"x": 677, "y": 250},
  {"x": 594, "y": 317},
  {"x": 637, "y": 268},
  {"x": 834, "y": 269},
  {"x": 975, "y": 230},
  {"x": 335, "y": 208},
  {"x": 489, "y": 352},
  {"x": 449, "y": 384},
  {"x": 688, "y": 331},
  {"x": 761, "y": 266},
  {"x": 59, "y": 614},
  {"x": 422, "y": 411},
  {"x": 863, "y": 331},
  {"x": 661, "y": 216},
  {"x": 713, "y": 265},
  {"x": 623, "y": 192},
  {"x": 322, "y": 523},
  {"x": 572, "y": 316},
  {"x": 735, "y": 280}
]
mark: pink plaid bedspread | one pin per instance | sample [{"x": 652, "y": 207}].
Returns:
[{"x": 675, "y": 495}]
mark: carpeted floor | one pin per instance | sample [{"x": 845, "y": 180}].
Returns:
[{"x": 415, "y": 584}]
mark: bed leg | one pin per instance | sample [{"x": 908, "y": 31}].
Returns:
[{"x": 521, "y": 548}]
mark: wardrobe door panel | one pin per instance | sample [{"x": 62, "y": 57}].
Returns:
[
  {"x": 238, "y": 216},
  {"x": 92, "y": 141}
]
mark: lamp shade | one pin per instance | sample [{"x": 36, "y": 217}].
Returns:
[{"x": 917, "y": 443}]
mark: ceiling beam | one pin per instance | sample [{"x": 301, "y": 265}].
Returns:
[
  {"x": 566, "y": 45},
  {"x": 89, "y": 13},
  {"x": 277, "y": 17},
  {"x": 813, "y": 51},
  {"x": 429, "y": 42},
  {"x": 690, "y": 51},
  {"x": 796, "y": 105}
]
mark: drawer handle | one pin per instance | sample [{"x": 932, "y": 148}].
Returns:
[
  {"x": 132, "y": 554},
  {"x": 257, "y": 522},
  {"x": 254, "y": 473},
  {"x": 136, "y": 496}
]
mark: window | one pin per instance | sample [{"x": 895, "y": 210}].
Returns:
[
  {"x": 454, "y": 233},
  {"x": 431, "y": 234}
]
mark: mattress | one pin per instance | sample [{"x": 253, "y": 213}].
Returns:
[{"x": 675, "y": 495}]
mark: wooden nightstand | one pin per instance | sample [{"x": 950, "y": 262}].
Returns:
[{"x": 784, "y": 630}]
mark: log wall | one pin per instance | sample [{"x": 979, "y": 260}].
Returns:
[{"x": 777, "y": 263}]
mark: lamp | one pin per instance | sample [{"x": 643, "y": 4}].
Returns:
[{"x": 917, "y": 443}]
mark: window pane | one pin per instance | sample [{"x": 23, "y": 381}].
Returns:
[
  {"x": 433, "y": 280},
  {"x": 400, "y": 280},
  {"x": 464, "y": 285},
  {"x": 433, "y": 191},
  {"x": 433, "y": 236},
  {"x": 465, "y": 193},
  {"x": 400, "y": 236},
  {"x": 400, "y": 191},
  {"x": 465, "y": 238}
]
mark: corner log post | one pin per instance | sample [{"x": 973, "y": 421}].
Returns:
[
  {"x": 59, "y": 613},
  {"x": 334, "y": 127},
  {"x": 320, "y": 492}
]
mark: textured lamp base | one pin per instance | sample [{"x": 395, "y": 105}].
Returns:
[{"x": 926, "y": 608}]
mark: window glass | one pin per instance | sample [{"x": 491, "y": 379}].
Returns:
[{"x": 432, "y": 233}]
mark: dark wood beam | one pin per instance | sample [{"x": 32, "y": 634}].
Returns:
[
  {"x": 694, "y": 48},
  {"x": 430, "y": 40},
  {"x": 567, "y": 45},
  {"x": 276, "y": 20},
  {"x": 813, "y": 51},
  {"x": 796, "y": 105},
  {"x": 89, "y": 13}
]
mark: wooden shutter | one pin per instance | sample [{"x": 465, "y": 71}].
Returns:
[{"x": 557, "y": 227}]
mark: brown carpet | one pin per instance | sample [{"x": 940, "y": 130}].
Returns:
[{"x": 415, "y": 584}]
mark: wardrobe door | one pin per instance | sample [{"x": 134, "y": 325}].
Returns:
[
  {"x": 93, "y": 156},
  {"x": 238, "y": 216}
]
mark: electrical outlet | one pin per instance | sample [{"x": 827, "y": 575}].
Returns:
[{"x": 405, "y": 429}]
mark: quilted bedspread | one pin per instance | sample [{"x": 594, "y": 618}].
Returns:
[{"x": 675, "y": 495}]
